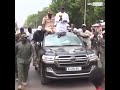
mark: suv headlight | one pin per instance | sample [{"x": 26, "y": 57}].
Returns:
[
  {"x": 92, "y": 57},
  {"x": 48, "y": 59}
]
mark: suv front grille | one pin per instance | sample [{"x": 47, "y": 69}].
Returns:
[{"x": 80, "y": 60}]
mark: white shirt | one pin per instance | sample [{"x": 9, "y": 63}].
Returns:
[
  {"x": 78, "y": 30},
  {"x": 30, "y": 36},
  {"x": 60, "y": 25},
  {"x": 86, "y": 33}
]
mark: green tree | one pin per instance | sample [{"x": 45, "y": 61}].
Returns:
[
  {"x": 31, "y": 21},
  {"x": 35, "y": 20},
  {"x": 75, "y": 9}
]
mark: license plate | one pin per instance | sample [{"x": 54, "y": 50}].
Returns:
[{"x": 73, "y": 68}]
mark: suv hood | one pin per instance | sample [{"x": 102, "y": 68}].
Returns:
[{"x": 68, "y": 50}]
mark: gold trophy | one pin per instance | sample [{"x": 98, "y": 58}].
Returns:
[{"x": 60, "y": 17}]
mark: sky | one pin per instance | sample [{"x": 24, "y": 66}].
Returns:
[{"x": 24, "y": 8}]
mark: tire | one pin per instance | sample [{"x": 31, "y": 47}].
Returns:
[{"x": 44, "y": 80}]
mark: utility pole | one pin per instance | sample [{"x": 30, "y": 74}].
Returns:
[{"x": 85, "y": 13}]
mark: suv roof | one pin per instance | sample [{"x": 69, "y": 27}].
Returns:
[{"x": 67, "y": 33}]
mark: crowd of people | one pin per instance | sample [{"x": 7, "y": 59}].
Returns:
[{"x": 28, "y": 44}]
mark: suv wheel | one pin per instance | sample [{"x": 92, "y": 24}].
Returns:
[{"x": 43, "y": 78}]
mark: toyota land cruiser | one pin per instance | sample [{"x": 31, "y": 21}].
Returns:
[{"x": 65, "y": 57}]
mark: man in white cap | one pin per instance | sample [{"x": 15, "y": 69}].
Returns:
[
  {"x": 86, "y": 35},
  {"x": 37, "y": 39},
  {"x": 98, "y": 29}
]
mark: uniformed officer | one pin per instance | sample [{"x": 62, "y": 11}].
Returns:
[
  {"x": 21, "y": 32},
  {"x": 23, "y": 51}
]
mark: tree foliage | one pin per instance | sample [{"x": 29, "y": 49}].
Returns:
[
  {"x": 35, "y": 20},
  {"x": 75, "y": 9}
]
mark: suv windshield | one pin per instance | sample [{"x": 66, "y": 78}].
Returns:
[{"x": 67, "y": 40}]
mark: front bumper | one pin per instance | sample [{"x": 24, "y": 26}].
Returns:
[{"x": 54, "y": 72}]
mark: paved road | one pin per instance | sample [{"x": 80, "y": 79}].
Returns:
[{"x": 72, "y": 84}]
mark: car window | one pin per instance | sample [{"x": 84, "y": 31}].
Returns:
[{"x": 53, "y": 40}]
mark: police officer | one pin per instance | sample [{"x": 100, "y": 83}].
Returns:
[{"x": 23, "y": 52}]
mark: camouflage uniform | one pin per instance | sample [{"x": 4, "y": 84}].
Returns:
[{"x": 23, "y": 54}]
